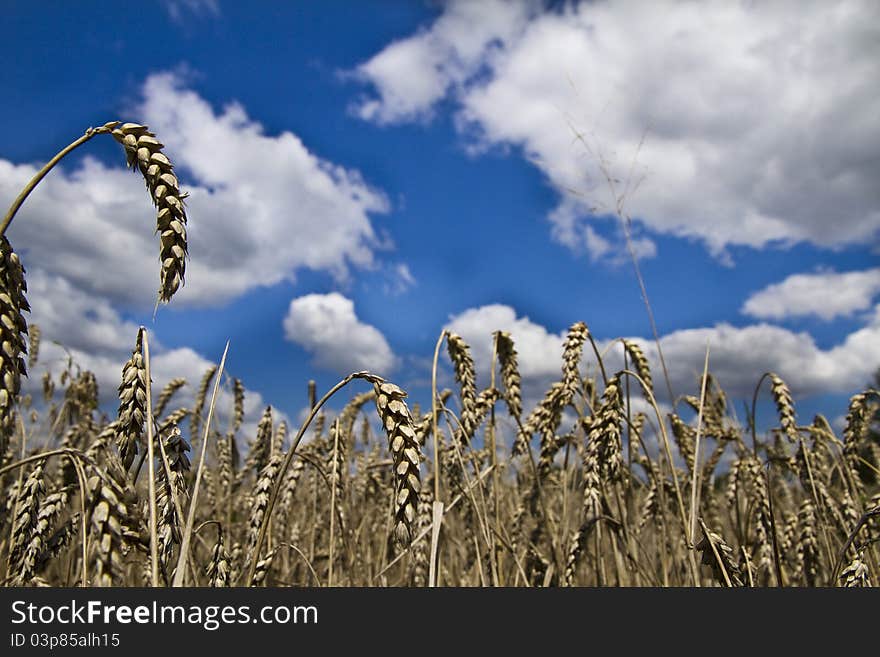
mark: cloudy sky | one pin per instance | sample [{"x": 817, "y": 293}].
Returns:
[{"x": 363, "y": 174}]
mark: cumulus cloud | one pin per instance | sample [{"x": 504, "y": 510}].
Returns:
[
  {"x": 737, "y": 355},
  {"x": 758, "y": 119},
  {"x": 260, "y": 208},
  {"x": 826, "y": 294},
  {"x": 327, "y": 327},
  {"x": 412, "y": 74}
]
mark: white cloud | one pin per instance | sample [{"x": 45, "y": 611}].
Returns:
[
  {"x": 760, "y": 117},
  {"x": 412, "y": 74},
  {"x": 399, "y": 279},
  {"x": 182, "y": 10},
  {"x": 738, "y": 356},
  {"x": 327, "y": 327},
  {"x": 824, "y": 294},
  {"x": 262, "y": 207}
]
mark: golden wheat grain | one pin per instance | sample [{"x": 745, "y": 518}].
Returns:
[
  {"x": 685, "y": 438},
  {"x": 261, "y": 447},
  {"x": 460, "y": 355},
  {"x": 405, "y": 452},
  {"x": 419, "y": 563},
  {"x": 544, "y": 418},
  {"x": 13, "y": 329},
  {"x": 640, "y": 361},
  {"x": 132, "y": 404},
  {"x": 218, "y": 569},
  {"x": 26, "y": 509},
  {"x": 109, "y": 518},
  {"x": 42, "y": 541},
  {"x": 144, "y": 152},
  {"x": 507, "y": 358},
  {"x": 784, "y": 406},
  {"x": 260, "y": 500},
  {"x": 573, "y": 348},
  {"x": 169, "y": 489},
  {"x": 807, "y": 544},
  {"x": 717, "y": 554},
  {"x": 856, "y": 573}
]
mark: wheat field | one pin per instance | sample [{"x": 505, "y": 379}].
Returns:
[{"x": 597, "y": 484}]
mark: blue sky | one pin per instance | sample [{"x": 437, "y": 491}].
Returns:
[{"x": 364, "y": 174}]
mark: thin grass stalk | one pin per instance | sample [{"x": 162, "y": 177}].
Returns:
[
  {"x": 437, "y": 506},
  {"x": 695, "y": 477},
  {"x": 180, "y": 572},
  {"x": 20, "y": 199},
  {"x": 333, "y": 488},
  {"x": 154, "y": 538}
]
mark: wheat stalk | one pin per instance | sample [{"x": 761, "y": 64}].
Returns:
[
  {"x": 784, "y": 406},
  {"x": 640, "y": 361},
  {"x": 460, "y": 355},
  {"x": 132, "y": 404},
  {"x": 509, "y": 372},
  {"x": 144, "y": 152},
  {"x": 195, "y": 419},
  {"x": 172, "y": 490},
  {"x": 34, "y": 335},
  {"x": 218, "y": 569},
  {"x": 573, "y": 348},
  {"x": 167, "y": 393},
  {"x": 856, "y": 574},
  {"x": 13, "y": 329},
  {"x": 406, "y": 454},
  {"x": 719, "y": 556},
  {"x": 261, "y": 447}
]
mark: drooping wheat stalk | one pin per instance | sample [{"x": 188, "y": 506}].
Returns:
[
  {"x": 406, "y": 454},
  {"x": 717, "y": 554},
  {"x": 144, "y": 152},
  {"x": 856, "y": 574}
]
